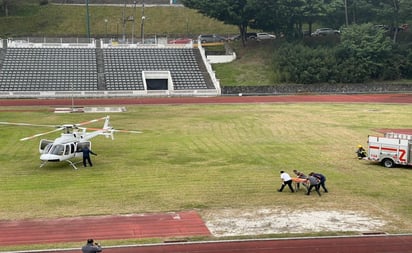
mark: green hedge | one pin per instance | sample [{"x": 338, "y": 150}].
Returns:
[{"x": 363, "y": 54}]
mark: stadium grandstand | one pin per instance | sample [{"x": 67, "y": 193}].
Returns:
[{"x": 98, "y": 68}]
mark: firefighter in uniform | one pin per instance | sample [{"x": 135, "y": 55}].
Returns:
[{"x": 361, "y": 152}]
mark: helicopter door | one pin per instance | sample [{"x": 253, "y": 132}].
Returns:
[
  {"x": 43, "y": 144},
  {"x": 67, "y": 149},
  {"x": 72, "y": 148},
  {"x": 80, "y": 147}
]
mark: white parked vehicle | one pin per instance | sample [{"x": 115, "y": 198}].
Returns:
[
  {"x": 325, "y": 32},
  {"x": 262, "y": 36},
  {"x": 265, "y": 36},
  {"x": 391, "y": 149}
]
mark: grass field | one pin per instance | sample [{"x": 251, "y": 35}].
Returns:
[
  {"x": 70, "y": 20},
  {"x": 208, "y": 157}
]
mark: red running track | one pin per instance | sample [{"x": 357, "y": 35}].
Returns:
[
  {"x": 359, "y": 98},
  {"x": 167, "y": 225},
  {"x": 362, "y": 244}
]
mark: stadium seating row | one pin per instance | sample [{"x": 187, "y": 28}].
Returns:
[
  {"x": 55, "y": 69},
  {"x": 180, "y": 62}
]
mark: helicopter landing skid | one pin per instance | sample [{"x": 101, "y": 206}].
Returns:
[
  {"x": 43, "y": 163},
  {"x": 73, "y": 164}
]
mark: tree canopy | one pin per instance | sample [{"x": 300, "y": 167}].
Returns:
[
  {"x": 290, "y": 16},
  {"x": 235, "y": 12}
]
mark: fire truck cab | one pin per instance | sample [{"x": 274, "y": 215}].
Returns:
[{"x": 391, "y": 149}]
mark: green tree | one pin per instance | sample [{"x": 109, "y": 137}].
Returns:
[
  {"x": 363, "y": 53},
  {"x": 271, "y": 15},
  {"x": 8, "y": 7},
  {"x": 289, "y": 16},
  {"x": 386, "y": 12},
  {"x": 312, "y": 10},
  {"x": 298, "y": 63},
  {"x": 234, "y": 12},
  {"x": 334, "y": 13},
  {"x": 5, "y": 6}
]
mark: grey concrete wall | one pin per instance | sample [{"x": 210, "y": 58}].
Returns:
[{"x": 318, "y": 88}]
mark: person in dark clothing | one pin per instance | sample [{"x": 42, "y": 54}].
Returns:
[
  {"x": 286, "y": 180},
  {"x": 361, "y": 152},
  {"x": 322, "y": 179},
  {"x": 86, "y": 156},
  {"x": 91, "y": 247},
  {"x": 313, "y": 182}
]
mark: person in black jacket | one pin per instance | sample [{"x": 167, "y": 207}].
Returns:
[
  {"x": 86, "y": 156},
  {"x": 322, "y": 180},
  {"x": 313, "y": 183},
  {"x": 91, "y": 247}
]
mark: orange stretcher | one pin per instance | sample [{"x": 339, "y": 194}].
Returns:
[{"x": 296, "y": 181}]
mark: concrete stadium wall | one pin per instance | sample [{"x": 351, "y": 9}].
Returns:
[
  {"x": 109, "y": 94},
  {"x": 317, "y": 88}
]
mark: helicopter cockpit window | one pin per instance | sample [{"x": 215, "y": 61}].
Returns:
[
  {"x": 68, "y": 129},
  {"x": 47, "y": 148},
  {"x": 67, "y": 150},
  {"x": 44, "y": 143},
  {"x": 57, "y": 149}
]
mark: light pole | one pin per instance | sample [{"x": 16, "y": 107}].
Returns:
[
  {"x": 117, "y": 31},
  {"x": 346, "y": 12},
  {"x": 87, "y": 19},
  {"x": 134, "y": 15},
  {"x": 72, "y": 98},
  {"x": 142, "y": 25},
  {"x": 105, "y": 21},
  {"x": 124, "y": 21}
]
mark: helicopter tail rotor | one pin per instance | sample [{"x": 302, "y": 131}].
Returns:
[
  {"x": 108, "y": 128},
  {"x": 109, "y": 134}
]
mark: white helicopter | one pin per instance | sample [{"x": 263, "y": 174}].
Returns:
[{"x": 72, "y": 140}]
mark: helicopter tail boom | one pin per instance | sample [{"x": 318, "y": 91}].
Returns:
[{"x": 107, "y": 128}]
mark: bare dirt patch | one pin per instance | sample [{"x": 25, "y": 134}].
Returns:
[{"x": 236, "y": 222}]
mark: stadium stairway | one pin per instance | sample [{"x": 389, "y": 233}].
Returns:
[{"x": 101, "y": 80}]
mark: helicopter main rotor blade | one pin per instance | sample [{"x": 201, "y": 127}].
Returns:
[
  {"x": 112, "y": 130},
  {"x": 126, "y": 131},
  {"x": 53, "y": 126},
  {"x": 37, "y": 135},
  {"x": 90, "y": 121},
  {"x": 25, "y": 124}
]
